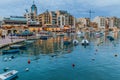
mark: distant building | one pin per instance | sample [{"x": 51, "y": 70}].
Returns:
[
  {"x": 114, "y": 22},
  {"x": 83, "y": 22},
  {"x": 56, "y": 19},
  {"x": 101, "y": 21},
  {"x": 1, "y": 19}
]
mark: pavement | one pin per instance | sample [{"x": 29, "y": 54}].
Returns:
[{"x": 7, "y": 40}]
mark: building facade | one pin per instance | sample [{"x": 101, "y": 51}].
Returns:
[
  {"x": 32, "y": 14},
  {"x": 83, "y": 22},
  {"x": 14, "y": 24},
  {"x": 101, "y": 21},
  {"x": 56, "y": 19},
  {"x": 107, "y": 22}
]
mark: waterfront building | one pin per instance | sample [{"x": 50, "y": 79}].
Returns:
[
  {"x": 45, "y": 19},
  {"x": 32, "y": 14},
  {"x": 114, "y": 22},
  {"x": 83, "y": 22},
  {"x": 14, "y": 24},
  {"x": 101, "y": 21},
  {"x": 56, "y": 19}
]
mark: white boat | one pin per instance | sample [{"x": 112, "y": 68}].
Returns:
[
  {"x": 85, "y": 42},
  {"x": 29, "y": 41},
  {"x": 8, "y": 75},
  {"x": 17, "y": 47},
  {"x": 75, "y": 42}
]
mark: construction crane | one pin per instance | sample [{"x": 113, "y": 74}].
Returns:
[{"x": 90, "y": 13}]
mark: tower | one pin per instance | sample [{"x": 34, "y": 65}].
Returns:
[{"x": 34, "y": 9}]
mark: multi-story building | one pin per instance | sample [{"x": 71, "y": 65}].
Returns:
[
  {"x": 83, "y": 22},
  {"x": 107, "y": 22},
  {"x": 14, "y": 24},
  {"x": 101, "y": 21},
  {"x": 32, "y": 15},
  {"x": 114, "y": 22},
  {"x": 56, "y": 19}
]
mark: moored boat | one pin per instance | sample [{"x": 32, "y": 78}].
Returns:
[
  {"x": 17, "y": 47},
  {"x": 8, "y": 75},
  {"x": 43, "y": 37},
  {"x": 85, "y": 42},
  {"x": 75, "y": 42},
  {"x": 11, "y": 51}
]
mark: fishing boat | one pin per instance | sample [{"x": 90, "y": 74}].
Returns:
[
  {"x": 11, "y": 51},
  {"x": 8, "y": 75},
  {"x": 85, "y": 42}
]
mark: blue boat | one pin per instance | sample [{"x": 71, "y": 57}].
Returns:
[
  {"x": 43, "y": 37},
  {"x": 110, "y": 38},
  {"x": 9, "y": 75},
  {"x": 67, "y": 42},
  {"x": 11, "y": 51}
]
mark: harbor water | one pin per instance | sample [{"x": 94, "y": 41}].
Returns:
[{"x": 52, "y": 60}]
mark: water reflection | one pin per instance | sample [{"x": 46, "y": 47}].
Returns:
[{"x": 50, "y": 46}]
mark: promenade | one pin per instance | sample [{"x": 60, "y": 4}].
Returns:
[{"x": 7, "y": 41}]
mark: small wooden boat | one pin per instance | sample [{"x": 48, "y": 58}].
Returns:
[
  {"x": 8, "y": 75},
  {"x": 11, "y": 51}
]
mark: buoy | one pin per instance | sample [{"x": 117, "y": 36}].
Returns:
[
  {"x": 12, "y": 57},
  {"x": 5, "y": 69},
  {"x": 27, "y": 69},
  {"x": 93, "y": 59},
  {"x": 115, "y": 55},
  {"x": 28, "y": 61},
  {"x": 73, "y": 65}
]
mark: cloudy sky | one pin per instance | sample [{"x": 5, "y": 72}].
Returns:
[{"x": 78, "y": 8}]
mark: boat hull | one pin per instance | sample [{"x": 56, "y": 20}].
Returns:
[{"x": 11, "y": 51}]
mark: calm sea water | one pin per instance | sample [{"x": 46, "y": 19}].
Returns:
[{"x": 51, "y": 60}]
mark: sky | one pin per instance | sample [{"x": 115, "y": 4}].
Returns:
[{"x": 78, "y": 8}]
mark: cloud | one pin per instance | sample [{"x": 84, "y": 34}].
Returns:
[{"x": 75, "y": 7}]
